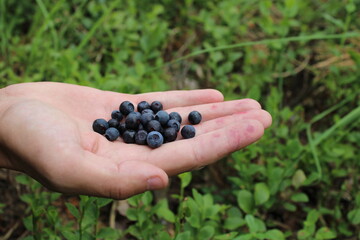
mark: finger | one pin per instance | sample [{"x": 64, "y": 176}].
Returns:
[
  {"x": 216, "y": 110},
  {"x": 171, "y": 99},
  {"x": 187, "y": 154},
  {"x": 98, "y": 176},
  {"x": 253, "y": 114}
]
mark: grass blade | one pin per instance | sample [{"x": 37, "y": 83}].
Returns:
[
  {"x": 353, "y": 116},
  {"x": 313, "y": 150}
]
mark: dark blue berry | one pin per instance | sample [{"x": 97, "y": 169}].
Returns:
[
  {"x": 170, "y": 134},
  {"x": 112, "y": 134},
  {"x": 126, "y": 107},
  {"x": 176, "y": 116},
  {"x": 156, "y": 106},
  {"x": 140, "y": 137},
  {"x": 147, "y": 111},
  {"x": 188, "y": 131},
  {"x": 129, "y": 136},
  {"x": 146, "y": 117},
  {"x": 100, "y": 125},
  {"x": 154, "y": 139},
  {"x": 142, "y": 106},
  {"x": 194, "y": 117},
  {"x": 116, "y": 114},
  {"x": 113, "y": 123},
  {"x": 141, "y": 127},
  {"x": 172, "y": 123},
  {"x": 153, "y": 125},
  {"x": 122, "y": 128},
  {"x": 132, "y": 120},
  {"x": 162, "y": 117}
]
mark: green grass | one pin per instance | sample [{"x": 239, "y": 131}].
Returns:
[{"x": 299, "y": 59}]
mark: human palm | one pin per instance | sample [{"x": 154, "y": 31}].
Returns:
[{"x": 45, "y": 132}]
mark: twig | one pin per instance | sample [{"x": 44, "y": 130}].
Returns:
[
  {"x": 331, "y": 61},
  {"x": 301, "y": 67},
  {"x": 10, "y": 231}
]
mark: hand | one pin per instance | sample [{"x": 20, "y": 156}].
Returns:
[{"x": 46, "y": 132}]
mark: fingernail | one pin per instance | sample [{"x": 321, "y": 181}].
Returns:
[{"x": 155, "y": 183}]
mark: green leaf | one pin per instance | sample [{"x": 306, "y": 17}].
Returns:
[
  {"x": 325, "y": 233},
  {"x": 350, "y": 7},
  {"x": 300, "y": 197},
  {"x": 290, "y": 207},
  {"x": 28, "y": 238},
  {"x": 183, "y": 236},
  {"x": 312, "y": 217},
  {"x": 254, "y": 224},
  {"x": 163, "y": 211},
  {"x": 198, "y": 198},
  {"x": 134, "y": 200},
  {"x": 298, "y": 179},
  {"x": 232, "y": 223},
  {"x": 131, "y": 214},
  {"x": 303, "y": 234},
  {"x": 245, "y": 200},
  {"x": 28, "y": 198},
  {"x": 28, "y": 222},
  {"x": 354, "y": 216},
  {"x": 107, "y": 232},
  {"x": 248, "y": 236},
  {"x": 102, "y": 202},
  {"x": 164, "y": 236},
  {"x": 274, "y": 234},
  {"x": 147, "y": 198},
  {"x": 226, "y": 236},
  {"x": 185, "y": 179},
  {"x": 234, "y": 220},
  {"x": 195, "y": 219},
  {"x": 23, "y": 179},
  {"x": 262, "y": 193},
  {"x": 206, "y": 232},
  {"x": 74, "y": 211},
  {"x": 69, "y": 235}
]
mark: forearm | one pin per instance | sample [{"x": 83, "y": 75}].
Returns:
[{"x": 5, "y": 153}]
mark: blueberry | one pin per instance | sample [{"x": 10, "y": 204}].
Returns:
[
  {"x": 173, "y": 124},
  {"x": 147, "y": 111},
  {"x": 116, "y": 114},
  {"x": 153, "y": 125},
  {"x": 142, "y": 106},
  {"x": 188, "y": 131},
  {"x": 141, "y": 127},
  {"x": 194, "y": 117},
  {"x": 122, "y": 128},
  {"x": 112, "y": 134},
  {"x": 162, "y": 117},
  {"x": 126, "y": 107},
  {"x": 140, "y": 137},
  {"x": 170, "y": 134},
  {"x": 132, "y": 120},
  {"x": 156, "y": 106},
  {"x": 129, "y": 136},
  {"x": 176, "y": 116},
  {"x": 113, "y": 123},
  {"x": 146, "y": 117},
  {"x": 100, "y": 125},
  {"x": 154, "y": 139}
]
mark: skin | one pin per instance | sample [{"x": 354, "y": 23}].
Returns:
[{"x": 46, "y": 132}]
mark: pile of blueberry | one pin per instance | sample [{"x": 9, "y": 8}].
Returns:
[{"x": 150, "y": 125}]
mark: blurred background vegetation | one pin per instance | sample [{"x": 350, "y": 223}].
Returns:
[{"x": 299, "y": 59}]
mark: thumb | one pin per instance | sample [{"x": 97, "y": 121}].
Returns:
[{"x": 102, "y": 177}]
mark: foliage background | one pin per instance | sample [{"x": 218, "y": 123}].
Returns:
[{"x": 299, "y": 59}]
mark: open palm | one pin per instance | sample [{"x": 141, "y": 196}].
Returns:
[{"x": 46, "y": 132}]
